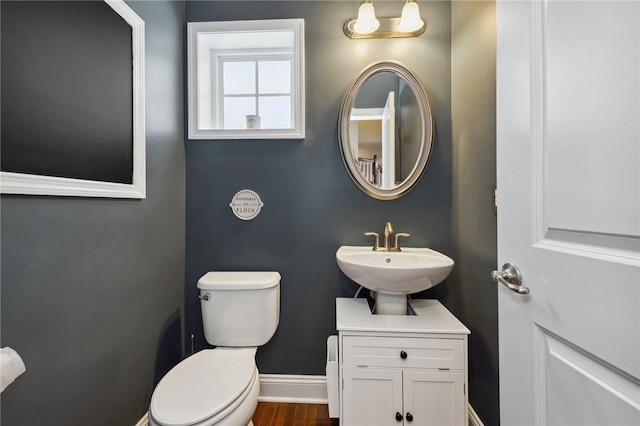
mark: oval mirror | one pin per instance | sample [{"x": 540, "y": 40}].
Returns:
[{"x": 386, "y": 130}]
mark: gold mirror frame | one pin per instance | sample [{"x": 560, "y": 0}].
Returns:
[{"x": 427, "y": 131}]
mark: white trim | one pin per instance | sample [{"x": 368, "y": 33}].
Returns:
[
  {"x": 302, "y": 390},
  {"x": 22, "y": 183},
  {"x": 144, "y": 421},
  {"x": 474, "y": 420},
  {"x": 293, "y": 388}
]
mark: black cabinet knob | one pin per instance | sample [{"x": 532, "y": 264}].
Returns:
[
  {"x": 398, "y": 417},
  {"x": 409, "y": 417},
  {"x": 403, "y": 355}
]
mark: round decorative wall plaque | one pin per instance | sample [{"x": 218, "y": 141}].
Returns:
[{"x": 246, "y": 204}]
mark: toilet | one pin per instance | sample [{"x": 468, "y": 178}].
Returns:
[{"x": 240, "y": 311}]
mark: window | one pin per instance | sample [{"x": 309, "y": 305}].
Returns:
[
  {"x": 246, "y": 79},
  {"x": 258, "y": 86}
]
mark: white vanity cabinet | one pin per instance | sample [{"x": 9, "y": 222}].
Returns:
[{"x": 401, "y": 370}]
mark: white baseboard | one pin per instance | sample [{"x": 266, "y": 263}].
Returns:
[
  {"x": 301, "y": 389},
  {"x": 293, "y": 388},
  {"x": 474, "y": 420},
  {"x": 144, "y": 421},
  {"x": 310, "y": 390}
]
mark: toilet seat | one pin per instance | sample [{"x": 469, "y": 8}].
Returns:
[{"x": 205, "y": 387}]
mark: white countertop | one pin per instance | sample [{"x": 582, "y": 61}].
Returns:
[{"x": 431, "y": 317}]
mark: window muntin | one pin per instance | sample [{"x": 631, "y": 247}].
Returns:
[{"x": 258, "y": 84}]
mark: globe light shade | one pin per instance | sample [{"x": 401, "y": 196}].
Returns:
[
  {"x": 410, "y": 20},
  {"x": 366, "y": 22}
]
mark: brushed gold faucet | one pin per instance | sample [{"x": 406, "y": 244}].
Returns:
[{"x": 389, "y": 236}]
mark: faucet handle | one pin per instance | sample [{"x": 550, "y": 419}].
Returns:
[
  {"x": 376, "y": 244},
  {"x": 398, "y": 235}
]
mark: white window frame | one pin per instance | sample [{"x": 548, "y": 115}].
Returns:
[{"x": 297, "y": 131}]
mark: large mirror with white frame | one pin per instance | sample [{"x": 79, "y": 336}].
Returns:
[
  {"x": 386, "y": 130},
  {"x": 73, "y": 118},
  {"x": 246, "y": 79}
]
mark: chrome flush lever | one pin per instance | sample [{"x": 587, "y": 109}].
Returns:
[
  {"x": 511, "y": 277},
  {"x": 206, "y": 297}
]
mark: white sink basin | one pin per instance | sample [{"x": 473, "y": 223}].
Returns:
[{"x": 398, "y": 273}]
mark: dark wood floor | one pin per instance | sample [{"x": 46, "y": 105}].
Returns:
[{"x": 285, "y": 414}]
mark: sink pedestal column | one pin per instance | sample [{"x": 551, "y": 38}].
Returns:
[{"x": 391, "y": 304}]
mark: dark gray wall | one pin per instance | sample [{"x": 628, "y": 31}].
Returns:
[
  {"x": 473, "y": 76},
  {"x": 311, "y": 205},
  {"x": 375, "y": 91},
  {"x": 92, "y": 289}
]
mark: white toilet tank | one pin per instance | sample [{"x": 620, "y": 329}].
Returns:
[{"x": 239, "y": 309}]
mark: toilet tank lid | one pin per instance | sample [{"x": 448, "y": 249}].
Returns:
[{"x": 238, "y": 280}]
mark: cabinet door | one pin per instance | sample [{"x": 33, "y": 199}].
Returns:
[
  {"x": 371, "y": 397},
  {"x": 434, "y": 398}
]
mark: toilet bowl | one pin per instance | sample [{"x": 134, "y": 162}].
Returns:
[
  {"x": 212, "y": 387},
  {"x": 220, "y": 386}
]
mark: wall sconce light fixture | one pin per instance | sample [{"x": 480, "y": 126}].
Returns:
[
  {"x": 366, "y": 25},
  {"x": 366, "y": 22}
]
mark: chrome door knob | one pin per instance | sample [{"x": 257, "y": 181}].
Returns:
[{"x": 511, "y": 277}]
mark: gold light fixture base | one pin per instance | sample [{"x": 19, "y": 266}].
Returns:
[{"x": 388, "y": 29}]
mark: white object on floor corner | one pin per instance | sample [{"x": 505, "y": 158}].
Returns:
[{"x": 11, "y": 366}]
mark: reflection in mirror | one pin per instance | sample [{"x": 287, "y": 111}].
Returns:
[
  {"x": 246, "y": 79},
  {"x": 386, "y": 130}
]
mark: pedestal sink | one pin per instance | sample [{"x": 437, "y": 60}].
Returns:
[{"x": 394, "y": 275}]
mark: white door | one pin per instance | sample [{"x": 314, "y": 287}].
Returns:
[
  {"x": 434, "y": 398},
  {"x": 371, "y": 397},
  {"x": 568, "y": 146},
  {"x": 389, "y": 143}
]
